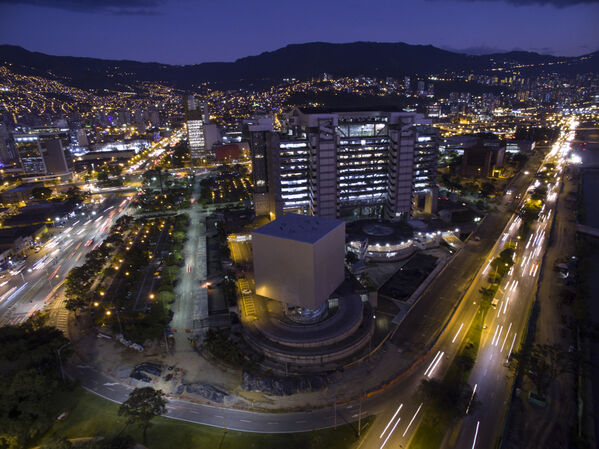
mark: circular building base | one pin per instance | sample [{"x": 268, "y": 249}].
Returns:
[
  {"x": 334, "y": 338},
  {"x": 304, "y": 315}
]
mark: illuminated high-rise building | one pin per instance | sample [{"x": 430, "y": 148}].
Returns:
[
  {"x": 340, "y": 164},
  {"x": 44, "y": 151},
  {"x": 196, "y": 119}
]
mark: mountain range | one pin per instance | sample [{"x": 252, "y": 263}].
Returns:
[{"x": 300, "y": 61}]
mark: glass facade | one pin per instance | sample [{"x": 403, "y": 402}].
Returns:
[
  {"x": 294, "y": 174},
  {"x": 30, "y": 154}
]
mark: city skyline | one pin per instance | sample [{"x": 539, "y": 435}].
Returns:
[
  {"x": 186, "y": 33},
  {"x": 351, "y": 237}
]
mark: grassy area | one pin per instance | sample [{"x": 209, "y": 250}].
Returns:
[
  {"x": 429, "y": 434},
  {"x": 90, "y": 415}
]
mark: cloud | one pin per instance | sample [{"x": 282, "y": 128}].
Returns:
[
  {"x": 556, "y": 3},
  {"x": 133, "y": 7}
]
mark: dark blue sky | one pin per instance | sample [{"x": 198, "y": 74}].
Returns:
[{"x": 192, "y": 31}]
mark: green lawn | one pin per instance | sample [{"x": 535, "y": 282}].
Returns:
[
  {"x": 90, "y": 415},
  {"x": 429, "y": 434}
]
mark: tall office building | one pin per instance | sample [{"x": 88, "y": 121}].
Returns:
[
  {"x": 264, "y": 144},
  {"x": 426, "y": 155},
  {"x": 44, "y": 152},
  {"x": 30, "y": 154},
  {"x": 335, "y": 164},
  {"x": 195, "y": 119}
]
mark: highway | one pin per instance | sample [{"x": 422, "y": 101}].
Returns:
[
  {"x": 505, "y": 325},
  {"x": 32, "y": 288},
  {"x": 38, "y": 279}
]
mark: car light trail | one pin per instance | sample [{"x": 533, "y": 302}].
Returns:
[
  {"x": 511, "y": 348},
  {"x": 506, "y": 334},
  {"x": 458, "y": 333},
  {"x": 507, "y": 301},
  {"x": 532, "y": 269},
  {"x": 14, "y": 293},
  {"x": 495, "y": 335},
  {"x": 471, "y": 398},
  {"x": 9, "y": 292},
  {"x": 391, "y": 420},
  {"x": 430, "y": 374},
  {"x": 432, "y": 363},
  {"x": 411, "y": 421},
  {"x": 475, "y": 434},
  {"x": 498, "y": 336},
  {"x": 390, "y": 433}
]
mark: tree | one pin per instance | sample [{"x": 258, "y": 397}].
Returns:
[
  {"x": 142, "y": 405},
  {"x": 543, "y": 364},
  {"x": 75, "y": 194},
  {"x": 351, "y": 258},
  {"x": 487, "y": 189},
  {"x": 28, "y": 381},
  {"x": 41, "y": 193},
  {"x": 102, "y": 176},
  {"x": 487, "y": 294},
  {"x": 450, "y": 397},
  {"x": 115, "y": 170}
]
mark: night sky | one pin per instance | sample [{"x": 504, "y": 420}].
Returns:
[{"x": 193, "y": 31}]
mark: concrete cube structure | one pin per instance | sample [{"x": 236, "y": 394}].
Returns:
[{"x": 299, "y": 259}]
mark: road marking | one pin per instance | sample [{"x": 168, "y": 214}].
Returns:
[
  {"x": 217, "y": 416},
  {"x": 244, "y": 420},
  {"x": 391, "y": 420},
  {"x": 411, "y": 421},
  {"x": 475, "y": 434},
  {"x": 300, "y": 422},
  {"x": 458, "y": 333},
  {"x": 272, "y": 423}
]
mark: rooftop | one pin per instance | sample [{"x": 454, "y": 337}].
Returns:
[{"x": 302, "y": 228}]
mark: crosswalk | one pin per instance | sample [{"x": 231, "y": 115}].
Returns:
[
  {"x": 60, "y": 316},
  {"x": 247, "y": 300}
]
